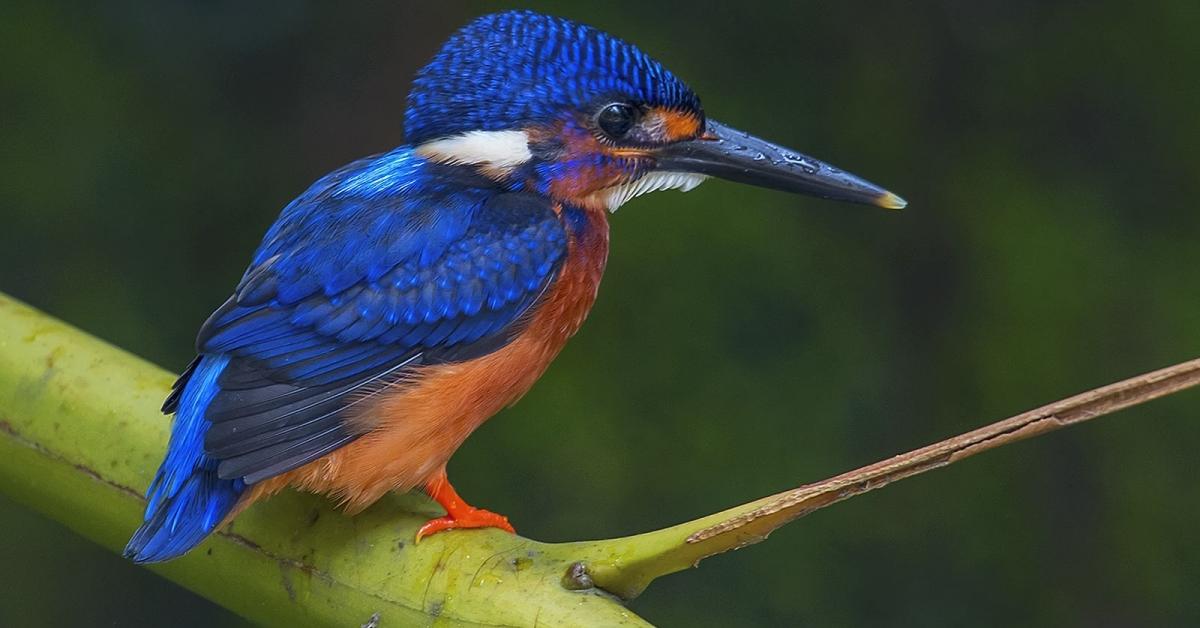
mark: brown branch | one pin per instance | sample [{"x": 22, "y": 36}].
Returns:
[
  {"x": 682, "y": 546},
  {"x": 1083, "y": 407}
]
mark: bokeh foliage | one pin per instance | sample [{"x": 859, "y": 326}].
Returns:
[{"x": 744, "y": 341}]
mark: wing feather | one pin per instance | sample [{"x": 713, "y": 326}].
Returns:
[{"x": 348, "y": 292}]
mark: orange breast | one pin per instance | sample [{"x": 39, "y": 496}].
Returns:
[{"x": 414, "y": 430}]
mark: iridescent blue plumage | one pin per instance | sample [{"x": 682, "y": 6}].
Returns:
[
  {"x": 515, "y": 68},
  {"x": 187, "y": 499},
  {"x": 385, "y": 264}
]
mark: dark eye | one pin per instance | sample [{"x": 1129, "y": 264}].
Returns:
[{"x": 616, "y": 119}]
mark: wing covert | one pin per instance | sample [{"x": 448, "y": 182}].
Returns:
[{"x": 349, "y": 290}]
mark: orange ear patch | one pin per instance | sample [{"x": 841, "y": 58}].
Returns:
[{"x": 677, "y": 125}]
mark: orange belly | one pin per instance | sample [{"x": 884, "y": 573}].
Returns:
[{"x": 413, "y": 431}]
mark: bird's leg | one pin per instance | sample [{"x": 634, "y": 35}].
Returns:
[{"x": 459, "y": 514}]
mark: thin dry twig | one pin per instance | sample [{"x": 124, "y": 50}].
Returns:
[
  {"x": 683, "y": 546},
  {"x": 1082, "y": 407}
]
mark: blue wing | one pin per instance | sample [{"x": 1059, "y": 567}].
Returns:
[
  {"x": 383, "y": 265},
  {"x": 374, "y": 270}
]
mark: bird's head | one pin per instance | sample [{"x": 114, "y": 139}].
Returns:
[{"x": 548, "y": 105}]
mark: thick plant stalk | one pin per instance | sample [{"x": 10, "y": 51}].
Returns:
[{"x": 80, "y": 438}]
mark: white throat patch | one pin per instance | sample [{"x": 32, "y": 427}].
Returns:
[
  {"x": 495, "y": 151},
  {"x": 616, "y": 196}
]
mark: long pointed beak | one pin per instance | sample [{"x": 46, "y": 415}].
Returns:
[{"x": 734, "y": 155}]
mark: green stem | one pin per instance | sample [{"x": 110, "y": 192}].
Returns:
[{"x": 80, "y": 437}]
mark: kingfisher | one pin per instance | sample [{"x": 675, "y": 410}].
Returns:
[{"x": 407, "y": 297}]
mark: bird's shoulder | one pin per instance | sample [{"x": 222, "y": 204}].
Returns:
[
  {"x": 363, "y": 220},
  {"x": 403, "y": 240}
]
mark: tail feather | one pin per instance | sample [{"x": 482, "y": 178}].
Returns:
[{"x": 187, "y": 500}]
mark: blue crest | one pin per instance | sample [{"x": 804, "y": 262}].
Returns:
[{"x": 506, "y": 70}]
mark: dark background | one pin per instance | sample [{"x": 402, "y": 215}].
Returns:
[{"x": 745, "y": 341}]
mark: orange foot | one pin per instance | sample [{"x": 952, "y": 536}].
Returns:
[{"x": 459, "y": 514}]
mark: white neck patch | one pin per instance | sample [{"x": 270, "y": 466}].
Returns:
[
  {"x": 495, "y": 151},
  {"x": 498, "y": 153},
  {"x": 616, "y": 196}
]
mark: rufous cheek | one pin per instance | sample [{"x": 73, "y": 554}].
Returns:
[
  {"x": 585, "y": 165},
  {"x": 583, "y": 181}
]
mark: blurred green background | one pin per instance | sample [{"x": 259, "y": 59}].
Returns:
[{"x": 744, "y": 341}]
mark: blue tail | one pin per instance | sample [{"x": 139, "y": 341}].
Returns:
[{"x": 186, "y": 500}]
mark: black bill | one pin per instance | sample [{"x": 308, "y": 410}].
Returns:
[{"x": 734, "y": 155}]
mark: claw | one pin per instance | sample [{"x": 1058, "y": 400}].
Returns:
[
  {"x": 459, "y": 514},
  {"x": 472, "y": 518}
]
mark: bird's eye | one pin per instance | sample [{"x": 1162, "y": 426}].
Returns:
[{"x": 616, "y": 119}]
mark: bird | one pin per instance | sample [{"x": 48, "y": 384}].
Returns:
[{"x": 405, "y": 298}]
